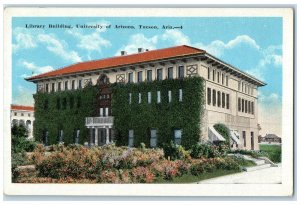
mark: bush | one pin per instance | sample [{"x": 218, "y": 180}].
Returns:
[
  {"x": 22, "y": 144},
  {"x": 142, "y": 175},
  {"x": 205, "y": 150},
  {"x": 174, "y": 151},
  {"x": 109, "y": 176},
  {"x": 17, "y": 159}
]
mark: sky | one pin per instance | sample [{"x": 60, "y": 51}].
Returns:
[{"x": 252, "y": 44}]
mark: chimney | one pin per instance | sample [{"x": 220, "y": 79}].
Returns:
[
  {"x": 140, "y": 50},
  {"x": 123, "y": 53}
]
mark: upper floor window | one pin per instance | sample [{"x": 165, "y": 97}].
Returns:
[
  {"x": 223, "y": 100},
  {"x": 208, "y": 73},
  {"x": 130, "y": 77},
  {"x": 170, "y": 73},
  {"x": 53, "y": 87},
  {"x": 222, "y": 78},
  {"x": 239, "y": 86},
  {"x": 28, "y": 114},
  {"x": 246, "y": 106},
  {"x": 15, "y": 114},
  {"x": 159, "y": 74},
  {"x": 243, "y": 104},
  {"x": 73, "y": 84},
  {"x": 252, "y": 107},
  {"x": 242, "y": 87},
  {"x": 140, "y": 76},
  {"x": 219, "y": 98},
  {"x": 227, "y": 101},
  {"x": 22, "y": 114},
  {"x": 47, "y": 87},
  {"x": 239, "y": 104},
  {"x": 181, "y": 71},
  {"x": 79, "y": 84},
  {"x": 59, "y": 86},
  {"x": 227, "y": 78},
  {"x": 149, "y": 75},
  {"x": 218, "y": 77},
  {"x": 66, "y": 85},
  {"x": 214, "y": 97},
  {"x": 208, "y": 96}
]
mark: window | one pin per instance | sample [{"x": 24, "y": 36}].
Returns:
[
  {"x": 130, "y": 77},
  {"x": 28, "y": 114},
  {"x": 47, "y": 87},
  {"x": 53, "y": 87},
  {"x": 218, "y": 75},
  {"x": 223, "y": 100},
  {"x": 208, "y": 73},
  {"x": 246, "y": 106},
  {"x": 244, "y": 138},
  {"x": 61, "y": 136},
  {"x": 214, "y": 75},
  {"x": 180, "y": 95},
  {"x": 159, "y": 74},
  {"x": 242, "y": 105},
  {"x": 252, "y": 107},
  {"x": 249, "y": 107},
  {"x": 226, "y": 80},
  {"x": 246, "y": 88},
  {"x": 79, "y": 84},
  {"x": 101, "y": 112},
  {"x": 170, "y": 95},
  {"x": 149, "y": 97},
  {"x": 239, "y": 85},
  {"x": 158, "y": 97},
  {"x": 149, "y": 75},
  {"x": 219, "y": 98},
  {"x": 22, "y": 114},
  {"x": 140, "y": 98},
  {"x": 227, "y": 101},
  {"x": 170, "y": 73},
  {"x": 181, "y": 71},
  {"x": 66, "y": 85},
  {"x": 177, "y": 136},
  {"x": 130, "y": 138},
  {"x": 130, "y": 96},
  {"x": 242, "y": 87},
  {"x": 77, "y": 136},
  {"x": 140, "y": 76},
  {"x": 214, "y": 98},
  {"x": 73, "y": 84},
  {"x": 208, "y": 96},
  {"x": 59, "y": 86},
  {"x": 239, "y": 104},
  {"x": 15, "y": 114},
  {"x": 222, "y": 78},
  {"x": 153, "y": 138}
]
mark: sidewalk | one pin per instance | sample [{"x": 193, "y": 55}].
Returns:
[{"x": 270, "y": 175}]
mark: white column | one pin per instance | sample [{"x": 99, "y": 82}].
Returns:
[
  {"x": 91, "y": 136},
  {"x": 107, "y": 135},
  {"x": 96, "y": 136}
]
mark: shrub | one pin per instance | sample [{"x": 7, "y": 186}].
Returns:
[
  {"x": 142, "y": 175},
  {"x": 169, "y": 169},
  {"x": 174, "y": 151},
  {"x": 205, "y": 150},
  {"x": 109, "y": 176},
  {"x": 17, "y": 159}
]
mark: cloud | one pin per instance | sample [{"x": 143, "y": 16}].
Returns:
[
  {"x": 24, "y": 39},
  {"x": 24, "y": 96},
  {"x": 218, "y": 48},
  {"x": 176, "y": 37},
  {"x": 27, "y": 39},
  {"x": 34, "y": 68},
  {"x": 139, "y": 41},
  {"x": 58, "y": 47}
]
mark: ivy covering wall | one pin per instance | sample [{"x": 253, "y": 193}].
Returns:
[
  {"x": 65, "y": 110},
  {"x": 165, "y": 117}
]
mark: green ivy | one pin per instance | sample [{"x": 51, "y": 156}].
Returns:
[
  {"x": 224, "y": 131},
  {"x": 165, "y": 117},
  {"x": 64, "y": 110}
]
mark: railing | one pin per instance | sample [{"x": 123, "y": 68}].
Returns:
[{"x": 92, "y": 121}]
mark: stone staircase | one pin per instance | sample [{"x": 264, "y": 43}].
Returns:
[{"x": 261, "y": 163}]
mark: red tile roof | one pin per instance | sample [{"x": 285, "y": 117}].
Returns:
[
  {"x": 122, "y": 60},
  {"x": 21, "y": 107}
]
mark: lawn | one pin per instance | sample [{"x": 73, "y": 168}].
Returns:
[
  {"x": 189, "y": 178},
  {"x": 273, "y": 151}
]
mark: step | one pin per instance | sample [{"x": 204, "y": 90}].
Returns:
[
  {"x": 259, "y": 162},
  {"x": 264, "y": 166}
]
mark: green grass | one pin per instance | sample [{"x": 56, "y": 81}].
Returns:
[
  {"x": 189, "y": 178},
  {"x": 273, "y": 152}
]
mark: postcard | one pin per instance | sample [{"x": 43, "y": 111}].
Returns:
[{"x": 148, "y": 101}]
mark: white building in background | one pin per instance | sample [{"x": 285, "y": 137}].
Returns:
[{"x": 20, "y": 114}]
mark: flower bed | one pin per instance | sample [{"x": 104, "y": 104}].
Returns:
[{"x": 111, "y": 164}]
